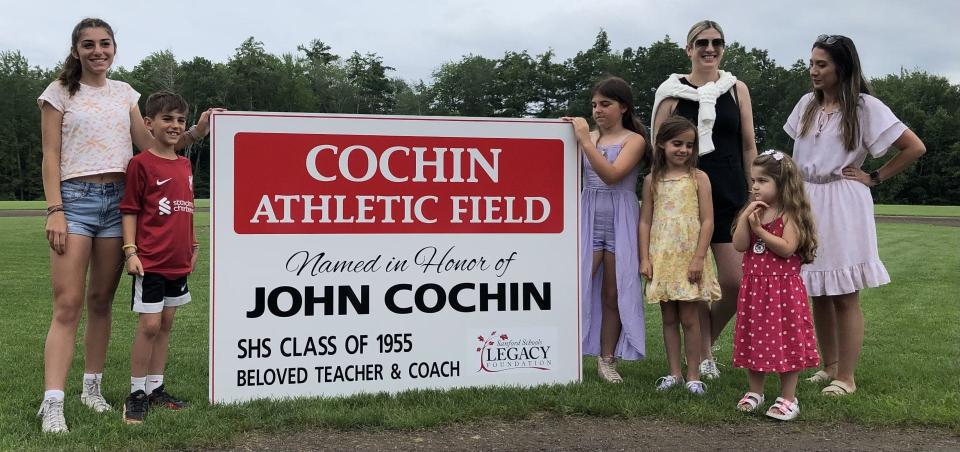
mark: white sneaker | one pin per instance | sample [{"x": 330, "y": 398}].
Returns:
[
  {"x": 51, "y": 411},
  {"x": 709, "y": 370},
  {"x": 696, "y": 387},
  {"x": 607, "y": 369},
  {"x": 665, "y": 383},
  {"x": 92, "y": 398}
]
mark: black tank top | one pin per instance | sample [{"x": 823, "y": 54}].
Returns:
[{"x": 725, "y": 164}]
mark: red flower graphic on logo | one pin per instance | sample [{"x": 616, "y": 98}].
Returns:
[{"x": 489, "y": 341}]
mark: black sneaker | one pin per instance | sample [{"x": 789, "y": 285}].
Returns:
[
  {"x": 135, "y": 408},
  {"x": 160, "y": 397}
]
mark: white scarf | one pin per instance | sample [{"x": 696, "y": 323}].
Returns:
[{"x": 706, "y": 95}]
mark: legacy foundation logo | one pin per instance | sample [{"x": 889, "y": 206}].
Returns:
[{"x": 501, "y": 352}]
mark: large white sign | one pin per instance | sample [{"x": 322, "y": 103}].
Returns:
[{"x": 364, "y": 254}]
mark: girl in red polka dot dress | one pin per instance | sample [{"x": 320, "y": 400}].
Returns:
[{"x": 773, "y": 331}]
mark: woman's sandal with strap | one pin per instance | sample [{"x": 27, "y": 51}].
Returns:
[
  {"x": 750, "y": 402},
  {"x": 819, "y": 377},
  {"x": 837, "y": 388},
  {"x": 784, "y": 409}
]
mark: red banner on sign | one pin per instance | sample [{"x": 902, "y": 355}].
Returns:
[{"x": 356, "y": 184}]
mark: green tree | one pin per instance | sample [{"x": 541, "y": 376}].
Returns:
[
  {"x": 20, "y": 151},
  {"x": 465, "y": 88}
]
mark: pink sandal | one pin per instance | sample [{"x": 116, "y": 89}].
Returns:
[
  {"x": 750, "y": 402},
  {"x": 784, "y": 409}
]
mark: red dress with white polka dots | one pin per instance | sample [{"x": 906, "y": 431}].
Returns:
[{"x": 774, "y": 332}]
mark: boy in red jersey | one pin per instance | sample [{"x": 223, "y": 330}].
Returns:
[{"x": 160, "y": 248}]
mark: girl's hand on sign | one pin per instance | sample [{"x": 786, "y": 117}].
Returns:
[{"x": 580, "y": 127}]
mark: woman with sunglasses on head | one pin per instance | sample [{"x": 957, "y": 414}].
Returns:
[
  {"x": 834, "y": 128},
  {"x": 720, "y": 106}
]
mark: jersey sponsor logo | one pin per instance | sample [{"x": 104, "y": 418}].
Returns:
[
  {"x": 164, "y": 206},
  {"x": 161, "y": 182}
]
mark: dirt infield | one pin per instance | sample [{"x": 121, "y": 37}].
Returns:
[{"x": 576, "y": 433}]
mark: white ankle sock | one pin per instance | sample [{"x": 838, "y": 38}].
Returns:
[
  {"x": 92, "y": 377},
  {"x": 154, "y": 382},
  {"x": 138, "y": 384},
  {"x": 56, "y": 394}
]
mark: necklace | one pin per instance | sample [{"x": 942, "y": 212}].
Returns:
[
  {"x": 822, "y": 119},
  {"x": 760, "y": 246}
]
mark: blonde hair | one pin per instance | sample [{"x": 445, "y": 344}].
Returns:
[
  {"x": 671, "y": 128},
  {"x": 792, "y": 199},
  {"x": 700, "y": 27}
]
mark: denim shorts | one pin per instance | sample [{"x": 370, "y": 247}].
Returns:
[{"x": 92, "y": 209}]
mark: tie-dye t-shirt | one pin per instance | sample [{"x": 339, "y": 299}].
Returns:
[{"x": 95, "y": 136}]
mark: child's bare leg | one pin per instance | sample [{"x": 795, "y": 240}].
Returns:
[
  {"x": 104, "y": 277},
  {"x": 610, "y": 325},
  {"x": 690, "y": 319},
  {"x": 148, "y": 327},
  {"x": 756, "y": 380},
  {"x": 68, "y": 272},
  {"x": 788, "y": 384},
  {"x": 158, "y": 356},
  {"x": 671, "y": 336}
]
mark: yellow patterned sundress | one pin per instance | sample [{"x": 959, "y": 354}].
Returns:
[{"x": 674, "y": 231}]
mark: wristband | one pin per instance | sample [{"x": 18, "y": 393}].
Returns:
[
  {"x": 129, "y": 245},
  {"x": 54, "y": 209},
  {"x": 875, "y": 177},
  {"x": 192, "y": 131},
  {"x": 129, "y": 256}
]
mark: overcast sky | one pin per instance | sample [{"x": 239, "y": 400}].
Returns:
[{"x": 417, "y": 36}]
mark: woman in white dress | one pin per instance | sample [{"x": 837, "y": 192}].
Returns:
[{"x": 834, "y": 128}]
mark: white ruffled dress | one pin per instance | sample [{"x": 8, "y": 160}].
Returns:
[{"x": 847, "y": 257}]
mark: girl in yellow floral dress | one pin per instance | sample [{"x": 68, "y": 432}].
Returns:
[{"x": 676, "y": 223}]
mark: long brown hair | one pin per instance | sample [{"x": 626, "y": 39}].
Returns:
[
  {"x": 619, "y": 90},
  {"x": 851, "y": 84},
  {"x": 792, "y": 199},
  {"x": 72, "y": 69},
  {"x": 671, "y": 128}
]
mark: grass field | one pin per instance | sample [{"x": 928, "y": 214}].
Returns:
[
  {"x": 880, "y": 209},
  {"x": 908, "y": 373}
]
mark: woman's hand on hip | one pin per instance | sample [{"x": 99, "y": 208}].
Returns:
[{"x": 857, "y": 174}]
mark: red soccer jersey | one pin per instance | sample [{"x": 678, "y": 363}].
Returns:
[{"x": 160, "y": 192}]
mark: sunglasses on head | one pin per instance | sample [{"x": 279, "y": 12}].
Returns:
[
  {"x": 828, "y": 39},
  {"x": 702, "y": 43}
]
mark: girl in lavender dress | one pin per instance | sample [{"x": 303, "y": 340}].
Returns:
[
  {"x": 834, "y": 129},
  {"x": 610, "y": 291}
]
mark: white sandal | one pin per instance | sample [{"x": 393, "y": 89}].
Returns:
[
  {"x": 784, "y": 409},
  {"x": 750, "y": 402}
]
